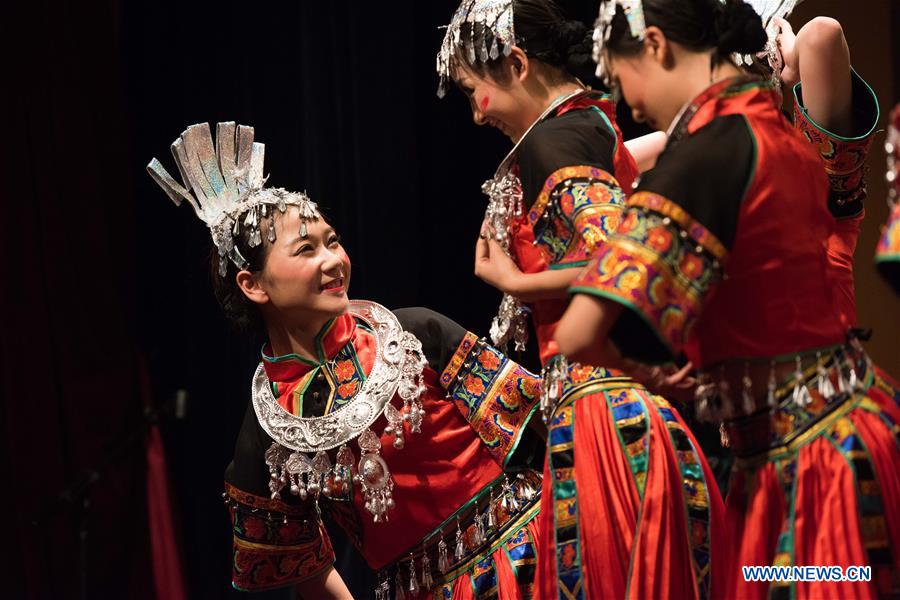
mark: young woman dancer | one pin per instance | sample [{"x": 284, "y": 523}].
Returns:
[
  {"x": 722, "y": 271},
  {"x": 629, "y": 502},
  {"x": 401, "y": 425}
]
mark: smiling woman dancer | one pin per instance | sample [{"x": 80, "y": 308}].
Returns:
[
  {"x": 723, "y": 271},
  {"x": 402, "y": 425},
  {"x": 629, "y": 502}
]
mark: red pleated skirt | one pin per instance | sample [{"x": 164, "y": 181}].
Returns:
[
  {"x": 628, "y": 499},
  {"x": 506, "y": 573},
  {"x": 829, "y": 497}
]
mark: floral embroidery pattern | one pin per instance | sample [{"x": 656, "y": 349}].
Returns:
[
  {"x": 496, "y": 395},
  {"x": 275, "y": 544},
  {"x": 844, "y": 158},
  {"x": 661, "y": 263},
  {"x": 577, "y": 209}
]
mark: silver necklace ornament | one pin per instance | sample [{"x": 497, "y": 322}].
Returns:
[
  {"x": 504, "y": 192},
  {"x": 298, "y": 458}
]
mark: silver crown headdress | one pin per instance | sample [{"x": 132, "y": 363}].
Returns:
[
  {"x": 227, "y": 184},
  {"x": 634, "y": 13},
  {"x": 490, "y": 33}
]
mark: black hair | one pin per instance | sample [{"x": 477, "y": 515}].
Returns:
[
  {"x": 239, "y": 310},
  {"x": 544, "y": 33},
  {"x": 698, "y": 25}
]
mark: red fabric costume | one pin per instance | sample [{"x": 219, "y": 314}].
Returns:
[
  {"x": 446, "y": 478},
  {"x": 723, "y": 264},
  {"x": 628, "y": 497},
  {"x": 844, "y": 158}
]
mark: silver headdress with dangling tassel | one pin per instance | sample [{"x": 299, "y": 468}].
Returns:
[
  {"x": 224, "y": 185},
  {"x": 634, "y": 12},
  {"x": 490, "y": 33},
  {"x": 768, "y": 11}
]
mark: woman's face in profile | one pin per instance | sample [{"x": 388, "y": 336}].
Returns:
[{"x": 495, "y": 104}]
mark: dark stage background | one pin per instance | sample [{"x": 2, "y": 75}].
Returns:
[{"x": 105, "y": 288}]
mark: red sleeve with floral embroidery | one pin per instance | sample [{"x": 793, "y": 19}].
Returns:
[
  {"x": 275, "y": 544},
  {"x": 576, "y": 210},
  {"x": 844, "y": 156},
  {"x": 496, "y": 395}
]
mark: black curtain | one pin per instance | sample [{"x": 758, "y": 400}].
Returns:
[
  {"x": 72, "y": 459},
  {"x": 102, "y": 272}
]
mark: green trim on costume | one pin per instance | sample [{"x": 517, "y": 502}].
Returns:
[
  {"x": 565, "y": 490},
  {"x": 868, "y": 506},
  {"x": 511, "y": 527},
  {"x": 785, "y": 542},
  {"x": 627, "y": 304},
  {"x": 855, "y": 79},
  {"x": 633, "y": 463},
  {"x": 332, "y": 386},
  {"x": 608, "y": 124},
  {"x": 354, "y": 356},
  {"x": 286, "y": 357},
  {"x": 320, "y": 339},
  {"x": 512, "y": 564},
  {"x": 522, "y": 428},
  {"x": 568, "y": 265}
]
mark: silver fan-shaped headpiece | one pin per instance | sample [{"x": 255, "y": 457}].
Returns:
[
  {"x": 634, "y": 13},
  {"x": 490, "y": 33},
  {"x": 224, "y": 184}
]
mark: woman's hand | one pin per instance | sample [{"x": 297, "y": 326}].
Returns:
[
  {"x": 494, "y": 266},
  {"x": 666, "y": 380},
  {"x": 787, "y": 45},
  {"x": 818, "y": 57}
]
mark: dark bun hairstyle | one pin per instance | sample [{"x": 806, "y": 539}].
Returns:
[
  {"x": 698, "y": 25},
  {"x": 578, "y": 41},
  {"x": 739, "y": 29}
]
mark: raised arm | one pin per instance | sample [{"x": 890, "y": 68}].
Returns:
[
  {"x": 572, "y": 203},
  {"x": 836, "y": 111},
  {"x": 818, "y": 58}
]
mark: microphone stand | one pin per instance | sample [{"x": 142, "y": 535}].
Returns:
[{"x": 77, "y": 494}]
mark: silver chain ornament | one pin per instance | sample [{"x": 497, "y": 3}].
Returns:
[{"x": 398, "y": 370}]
